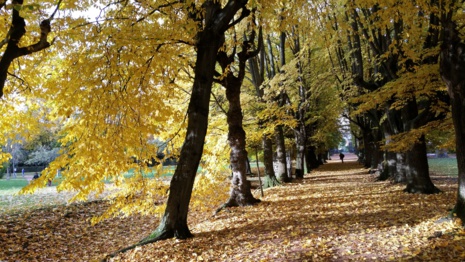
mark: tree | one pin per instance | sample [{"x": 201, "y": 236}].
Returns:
[
  {"x": 257, "y": 68},
  {"x": 42, "y": 156},
  {"x": 213, "y": 20},
  {"x": 240, "y": 193},
  {"x": 452, "y": 66}
]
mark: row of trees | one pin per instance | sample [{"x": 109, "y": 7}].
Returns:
[{"x": 275, "y": 75}]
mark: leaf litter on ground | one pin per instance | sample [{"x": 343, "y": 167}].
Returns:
[{"x": 338, "y": 212}]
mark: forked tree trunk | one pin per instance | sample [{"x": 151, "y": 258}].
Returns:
[
  {"x": 14, "y": 48},
  {"x": 240, "y": 193},
  {"x": 452, "y": 68}
]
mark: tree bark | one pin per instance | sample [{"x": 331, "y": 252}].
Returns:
[
  {"x": 311, "y": 158},
  {"x": 279, "y": 130},
  {"x": 281, "y": 156},
  {"x": 418, "y": 179},
  {"x": 300, "y": 139},
  {"x": 416, "y": 161},
  {"x": 452, "y": 66},
  {"x": 270, "y": 175},
  {"x": 240, "y": 193}
]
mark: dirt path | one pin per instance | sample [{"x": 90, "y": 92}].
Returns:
[{"x": 336, "y": 213}]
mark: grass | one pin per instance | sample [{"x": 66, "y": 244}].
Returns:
[
  {"x": 443, "y": 166},
  {"x": 9, "y": 187},
  {"x": 11, "y": 202}
]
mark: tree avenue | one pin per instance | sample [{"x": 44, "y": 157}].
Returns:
[{"x": 130, "y": 85}]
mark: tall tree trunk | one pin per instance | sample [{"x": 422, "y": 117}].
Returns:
[
  {"x": 257, "y": 70},
  {"x": 300, "y": 132},
  {"x": 281, "y": 161},
  {"x": 240, "y": 193},
  {"x": 300, "y": 139},
  {"x": 452, "y": 68}
]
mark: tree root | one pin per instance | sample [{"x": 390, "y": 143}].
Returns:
[
  {"x": 270, "y": 182},
  {"x": 234, "y": 203},
  {"x": 152, "y": 238},
  {"x": 422, "y": 190}
]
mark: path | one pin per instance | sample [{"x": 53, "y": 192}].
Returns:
[{"x": 336, "y": 213}]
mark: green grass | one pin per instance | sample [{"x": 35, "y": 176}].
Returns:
[
  {"x": 9, "y": 187},
  {"x": 443, "y": 166}
]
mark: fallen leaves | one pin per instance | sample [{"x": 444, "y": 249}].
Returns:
[{"x": 331, "y": 215}]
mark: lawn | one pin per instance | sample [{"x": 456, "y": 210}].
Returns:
[
  {"x": 443, "y": 166},
  {"x": 9, "y": 187},
  {"x": 11, "y": 203}
]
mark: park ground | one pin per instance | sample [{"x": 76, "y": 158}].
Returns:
[{"x": 336, "y": 213}]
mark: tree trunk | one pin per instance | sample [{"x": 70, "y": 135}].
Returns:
[
  {"x": 300, "y": 158},
  {"x": 400, "y": 175},
  {"x": 418, "y": 179},
  {"x": 281, "y": 156},
  {"x": 367, "y": 148},
  {"x": 452, "y": 66},
  {"x": 279, "y": 131},
  {"x": 270, "y": 176},
  {"x": 240, "y": 194},
  {"x": 311, "y": 159}
]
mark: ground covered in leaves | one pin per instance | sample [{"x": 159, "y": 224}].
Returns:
[{"x": 336, "y": 213}]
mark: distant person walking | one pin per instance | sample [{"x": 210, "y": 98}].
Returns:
[
  {"x": 22, "y": 172},
  {"x": 341, "y": 156}
]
